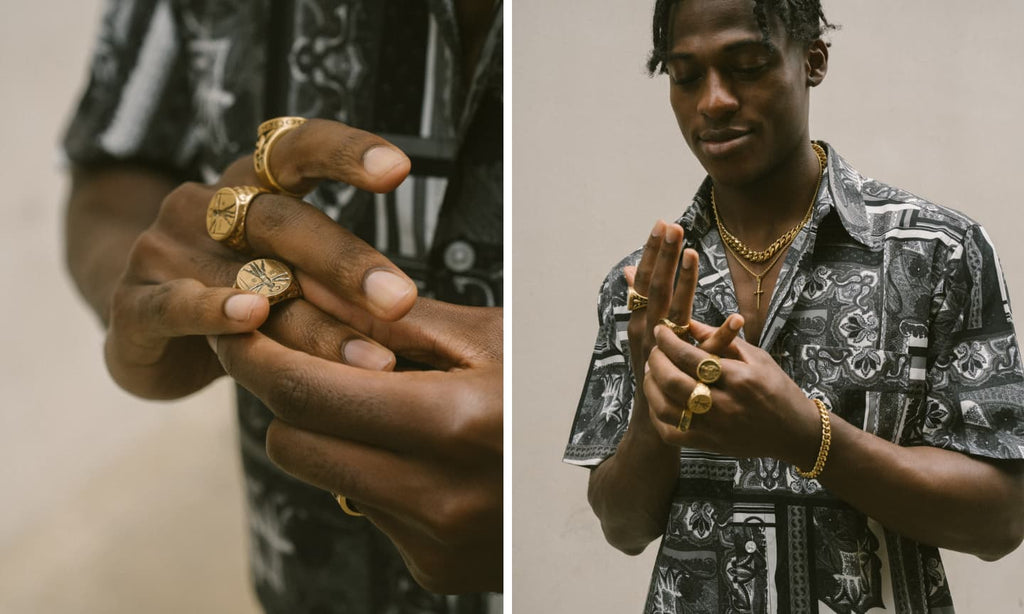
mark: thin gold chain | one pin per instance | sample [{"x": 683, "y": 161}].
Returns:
[
  {"x": 759, "y": 276},
  {"x": 750, "y": 255}
]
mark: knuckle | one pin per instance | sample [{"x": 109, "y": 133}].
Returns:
[
  {"x": 291, "y": 395},
  {"x": 183, "y": 201},
  {"x": 474, "y": 427}
]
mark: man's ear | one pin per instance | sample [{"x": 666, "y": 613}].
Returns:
[{"x": 817, "y": 62}]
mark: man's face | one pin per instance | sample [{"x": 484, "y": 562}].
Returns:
[{"x": 741, "y": 104}]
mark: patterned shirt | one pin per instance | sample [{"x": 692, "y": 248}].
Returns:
[
  {"x": 181, "y": 85},
  {"x": 894, "y": 312}
]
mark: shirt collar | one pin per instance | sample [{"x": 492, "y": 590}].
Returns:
[{"x": 841, "y": 193}]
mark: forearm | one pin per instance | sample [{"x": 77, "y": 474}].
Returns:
[
  {"x": 935, "y": 496},
  {"x": 631, "y": 492},
  {"x": 107, "y": 210}
]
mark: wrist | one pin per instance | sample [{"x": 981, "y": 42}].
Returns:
[{"x": 815, "y": 468}]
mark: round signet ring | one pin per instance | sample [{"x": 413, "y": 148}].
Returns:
[
  {"x": 684, "y": 420},
  {"x": 709, "y": 369},
  {"x": 269, "y": 278},
  {"x": 700, "y": 399},
  {"x": 266, "y": 135},
  {"x": 225, "y": 216},
  {"x": 679, "y": 329},
  {"x": 635, "y": 300}
]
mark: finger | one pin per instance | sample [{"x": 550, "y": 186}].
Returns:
[
  {"x": 686, "y": 286},
  {"x": 665, "y": 415},
  {"x": 664, "y": 274},
  {"x": 312, "y": 242},
  {"x": 720, "y": 339},
  {"x": 396, "y": 411},
  {"x": 642, "y": 275},
  {"x": 673, "y": 384},
  {"x": 302, "y": 326},
  {"x": 185, "y": 307},
  {"x": 320, "y": 150}
]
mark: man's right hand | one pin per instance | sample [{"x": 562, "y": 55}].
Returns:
[{"x": 175, "y": 288}]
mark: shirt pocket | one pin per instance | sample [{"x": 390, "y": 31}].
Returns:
[{"x": 881, "y": 392}]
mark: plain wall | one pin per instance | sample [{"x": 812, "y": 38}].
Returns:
[{"x": 925, "y": 94}]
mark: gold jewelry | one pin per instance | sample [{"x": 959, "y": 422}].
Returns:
[
  {"x": 679, "y": 329},
  {"x": 751, "y": 255},
  {"x": 758, "y": 276},
  {"x": 225, "y": 216},
  {"x": 268, "y": 278},
  {"x": 709, "y": 370},
  {"x": 347, "y": 506},
  {"x": 826, "y": 443},
  {"x": 684, "y": 420},
  {"x": 635, "y": 300},
  {"x": 266, "y": 135},
  {"x": 700, "y": 399}
]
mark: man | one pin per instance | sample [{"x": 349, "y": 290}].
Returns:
[
  {"x": 386, "y": 398},
  {"x": 870, "y": 406}
]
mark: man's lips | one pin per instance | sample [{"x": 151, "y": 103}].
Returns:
[{"x": 721, "y": 142}]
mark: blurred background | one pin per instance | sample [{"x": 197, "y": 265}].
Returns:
[
  {"x": 923, "y": 94},
  {"x": 109, "y": 504}
]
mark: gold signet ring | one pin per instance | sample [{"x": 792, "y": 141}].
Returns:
[
  {"x": 684, "y": 420},
  {"x": 709, "y": 369},
  {"x": 225, "y": 216},
  {"x": 635, "y": 300},
  {"x": 269, "y": 278},
  {"x": 700, "y": 399}
]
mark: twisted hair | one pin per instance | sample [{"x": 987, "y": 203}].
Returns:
[{"x": 804, "y": 20}]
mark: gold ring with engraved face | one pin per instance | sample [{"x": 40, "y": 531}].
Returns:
[
  {"x": 700, "y": 399},
  {"x": 225, "y": 216},
  {"x": 269, "y": 278},
  {"x": 266, "y": 135},
  {"x": 709, "y": 369}
]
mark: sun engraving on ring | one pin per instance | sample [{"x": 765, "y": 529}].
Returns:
[
  {"x": 265, "y": 276},
  {"x": 222, "y": 215}
]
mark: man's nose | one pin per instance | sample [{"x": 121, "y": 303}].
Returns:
[{"x": 717, "y": 100}]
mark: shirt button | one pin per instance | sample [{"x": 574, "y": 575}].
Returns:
[
  {"x": 751, "y": 547},
  {"x": 459, "y": 256}
]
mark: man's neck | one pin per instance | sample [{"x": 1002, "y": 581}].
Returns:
[{"x": 759, "y": 212}]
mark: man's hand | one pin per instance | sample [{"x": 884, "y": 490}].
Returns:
[
  {"x": 176, "y": 284},
  {"x": 419, "y": 452}
]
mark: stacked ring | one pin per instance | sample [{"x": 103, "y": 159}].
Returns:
[
  {"x": 266, "y": 135},
  {"x": 269, "y": 278},
  {"x": 700, "y": 399},
  {"x": 225, "y": 216}
]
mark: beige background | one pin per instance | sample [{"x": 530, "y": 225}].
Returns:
[
  {"x": 109, "y": 504},
  {"x": 925, "y": 94}
]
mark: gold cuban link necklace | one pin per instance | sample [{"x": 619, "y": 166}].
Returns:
[{"x": 777, "y": 248}]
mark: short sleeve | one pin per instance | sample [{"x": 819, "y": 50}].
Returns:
[
  {"x": 975, "y": 380},
  {"x": 136, "y": 105},
  {"x": 607, "y": 399}
]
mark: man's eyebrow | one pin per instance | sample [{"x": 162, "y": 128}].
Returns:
[{"x": 731, "y": 47}]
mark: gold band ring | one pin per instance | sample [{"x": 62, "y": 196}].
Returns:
[
  {"x": 700, "y": 399},
  {"x": 266, "y": 135},
  {"x": 684, "y": 420},
  {"x": 347, "y": 506},
  {"x": 679, "y": 329},
  {"x": 635, "y": 300},
  {"x": 225, "y": 216},
  {"x": 269, "y": 278},
  {"x": 709, "y": 369}
]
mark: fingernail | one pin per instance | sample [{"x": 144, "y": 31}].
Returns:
[
  {"x": 385, "y": 289},
  {"x": 656, "y": 231},
  {"x": 379, "y": 160},
  {"x": 240, "y": 306},
  {"x": 687, "y": 262},
  {"x": 363, "y": 354},
  {"x": 735, "y": 323},
  {"x": 212, "y": 341},
  {"x": 647, "y": 367}
]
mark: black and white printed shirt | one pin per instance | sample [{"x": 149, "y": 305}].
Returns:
[
  {"x": 181, "y": 85},
  {"x": 894, "y": 312}
]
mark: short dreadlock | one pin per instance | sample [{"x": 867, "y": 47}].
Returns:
[{"x": 804, "y": 21}]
